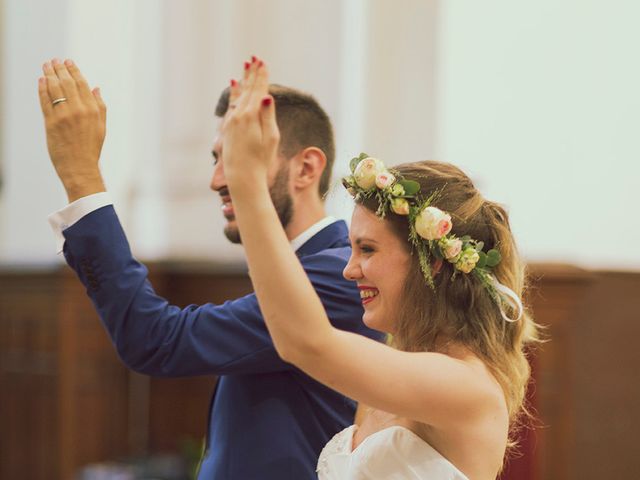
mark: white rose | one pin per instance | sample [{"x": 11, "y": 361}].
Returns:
[
  {"x": 433, "y": 223},
  {"x": 384, "y": 180},
  {"x": 400, "y": 206},
  {"x": 366, "y": 172}
]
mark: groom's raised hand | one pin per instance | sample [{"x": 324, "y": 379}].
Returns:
[{"x": 75, "y": 123}]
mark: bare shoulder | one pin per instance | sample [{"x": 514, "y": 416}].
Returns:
[{"x": 478, "y": 394}]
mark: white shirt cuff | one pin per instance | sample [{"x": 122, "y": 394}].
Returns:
[{"x": 63, "y": 219}]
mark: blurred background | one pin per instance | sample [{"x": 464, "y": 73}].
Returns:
[{"x": 537, "y": 101}]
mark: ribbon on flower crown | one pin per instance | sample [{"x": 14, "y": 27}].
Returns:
[
  {"x": 509, "y": 297},
  {"x": 429, "y": 229}
]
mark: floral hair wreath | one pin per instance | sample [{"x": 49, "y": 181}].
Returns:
[{"x": 429, "y": 228}]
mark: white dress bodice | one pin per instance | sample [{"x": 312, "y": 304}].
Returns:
[{"x": 394, "y": 453}]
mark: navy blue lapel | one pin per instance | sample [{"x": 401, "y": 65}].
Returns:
[{"x": 331, "y": 236}]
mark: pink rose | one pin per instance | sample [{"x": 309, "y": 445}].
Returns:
[
  {"x": 433, "y": 224},
  {"x": 366, "y": 172},
  {"x": 400, "y": 206},
  {"x": 384, "y": 180},
  {"x": 451, "y": 248}
]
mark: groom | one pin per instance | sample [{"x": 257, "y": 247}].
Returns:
[{"x": 268, "y": 420}]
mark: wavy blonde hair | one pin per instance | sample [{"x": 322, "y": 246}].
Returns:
[{"x": 461, "y": 310}]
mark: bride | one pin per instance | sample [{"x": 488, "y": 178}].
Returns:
[{"x": 438, "y": 271}]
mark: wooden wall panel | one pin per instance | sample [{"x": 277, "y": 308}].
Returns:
[
  {"x": 28, "y": 375},
  {"x": 556, "y": 292},
  {"x": 606, "y": 380},
  {"x": 552, "y": 296},
  {"x": 66, "y": 400},
  {"x": 93, "y": 385}
]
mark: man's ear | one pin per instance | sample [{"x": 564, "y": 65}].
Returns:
[{"x": 309, "y": 164}]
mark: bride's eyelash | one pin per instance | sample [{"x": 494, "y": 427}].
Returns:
[{"x": 366, "y": 249}]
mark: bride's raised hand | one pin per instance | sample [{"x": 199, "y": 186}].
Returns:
[{"x": 250, "y": 131}]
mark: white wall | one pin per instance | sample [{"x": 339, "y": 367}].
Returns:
[
  {"x": 161, "y": 66},
  {"x": 540, "y": 102},
  {"x": 116, "y": 45},
  {"x": 27, "y": 189}
]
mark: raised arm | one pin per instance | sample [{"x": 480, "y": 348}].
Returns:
[
  {"x": 150, "y": 335},
  {"x": 75, "y": 121},
  {"x": 429, "y": 387}
]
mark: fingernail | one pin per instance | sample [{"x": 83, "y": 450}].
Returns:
[
  {"x": 246, "y": 65},
  {"x": 68, "y": 62},
  {"x": 233, "y": 82},
  {"x": 253, "y": 59},
  {"x": 266, "y": 101},
  {"x": 55, "y": 61},
  {"x": 260, "y": 63},
  {"x": 42, "y": 80}
]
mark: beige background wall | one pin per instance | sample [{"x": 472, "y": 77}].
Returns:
[{"x": 537, "y": 101}]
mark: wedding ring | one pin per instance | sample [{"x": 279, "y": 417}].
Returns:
[{"x": 58, "y": 100}]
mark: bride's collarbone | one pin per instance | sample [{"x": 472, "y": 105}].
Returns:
[{"x": 374, "y": 421}]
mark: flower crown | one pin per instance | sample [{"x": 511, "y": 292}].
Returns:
[{"x": 429, "y": 227}]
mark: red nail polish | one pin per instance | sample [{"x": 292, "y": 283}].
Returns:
[
  {"x": 253, "y": 59},
  {"x": 266, "y": 101},
  {"x": 233, "y": 82},
  {"x": 246, "y": 65},
  {"x": 260, "y": 63}
]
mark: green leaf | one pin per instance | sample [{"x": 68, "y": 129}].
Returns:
[
  {"x": 482, "y": 262},
  {"x": 465, "y": 239},
  {"x": 479, "y": 246},
  {"x": 410, "y": 187},
  {"x": 493, "y": 257}
]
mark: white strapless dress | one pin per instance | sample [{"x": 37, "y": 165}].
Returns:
[{"x": 394, "y": 453}]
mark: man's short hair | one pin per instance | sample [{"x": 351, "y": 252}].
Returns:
[{"x": 302, "y": 123}]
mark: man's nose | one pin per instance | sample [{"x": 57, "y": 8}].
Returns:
[{"x": 218, "y": 180}]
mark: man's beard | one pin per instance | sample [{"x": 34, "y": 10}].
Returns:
[{"x": 281, "y": 199}]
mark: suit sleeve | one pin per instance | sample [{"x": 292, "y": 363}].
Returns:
[{"x": 156, "y": 338}]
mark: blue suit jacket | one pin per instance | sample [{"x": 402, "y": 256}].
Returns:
[{"x": 268, "y": 420}]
